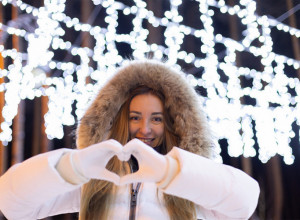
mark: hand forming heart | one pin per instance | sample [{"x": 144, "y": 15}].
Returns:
[{"x": 91, "y": 162}]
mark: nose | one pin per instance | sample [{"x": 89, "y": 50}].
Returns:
[{"x": 145, "y": 128}]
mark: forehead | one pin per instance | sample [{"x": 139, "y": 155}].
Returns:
[{"x": 146, "y": 102}]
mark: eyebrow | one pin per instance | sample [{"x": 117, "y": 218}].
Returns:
[{"x": 139, "y": 113}]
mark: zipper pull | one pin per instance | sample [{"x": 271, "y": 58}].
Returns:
[{"x": 133, "y": 197}]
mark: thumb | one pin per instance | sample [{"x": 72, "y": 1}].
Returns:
[
  {"x": 130, "y": 178},
  {"x": 110, "y": 176}
]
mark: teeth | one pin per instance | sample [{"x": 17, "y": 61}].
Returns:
[{"x": 145, "y": 140}]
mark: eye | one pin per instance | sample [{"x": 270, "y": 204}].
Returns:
[
  {"x": 157, "y": 120},
  {"x": 134, "y": 118}
]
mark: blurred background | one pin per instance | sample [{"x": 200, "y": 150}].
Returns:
[{"x": 241, "y": 57}]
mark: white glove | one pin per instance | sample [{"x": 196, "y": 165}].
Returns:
[
  {"x": 152, "y": 165},
  {"x": 91, "y": 162}
]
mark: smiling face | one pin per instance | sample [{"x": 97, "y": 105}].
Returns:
[{"x": 146, "y": 119}]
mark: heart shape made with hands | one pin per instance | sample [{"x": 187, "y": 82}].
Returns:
[{"x": 152, "y": 165}]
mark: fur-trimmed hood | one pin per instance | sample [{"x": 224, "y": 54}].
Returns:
[{"x": 180, "y": 100}]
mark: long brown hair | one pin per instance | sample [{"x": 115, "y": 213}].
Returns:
[{"x": 97, "y": 195}]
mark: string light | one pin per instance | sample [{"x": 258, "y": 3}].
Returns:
[{"x": 230, "y": 118}]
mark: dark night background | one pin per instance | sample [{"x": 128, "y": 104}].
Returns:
[{"x": 280, "y": 183}]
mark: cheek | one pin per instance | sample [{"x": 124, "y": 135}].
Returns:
[
  {"x": 132, "y": 129},
  {"x": 159, "y": 131}
]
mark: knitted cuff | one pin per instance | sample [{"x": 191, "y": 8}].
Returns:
[
  {"x": 172, "y": 171},
  {"x": 68, "y": 171}
]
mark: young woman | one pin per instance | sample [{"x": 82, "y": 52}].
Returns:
[{"x": 143, "y": 153}]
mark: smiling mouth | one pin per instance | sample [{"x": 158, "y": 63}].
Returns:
[{"x": 146, "y": 140}]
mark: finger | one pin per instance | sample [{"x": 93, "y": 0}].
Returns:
[
  {"x": 140, "y": 150},
  {"x": 106, "y": 146},
  {"x": 123, "y": 156},
  {"x": 130, "y": 178},
  {"x": 136, "y": 148},
  {"x": 113, "y": 146},
  {"x": 110, "y": 176},
  {"x": 137, "y": 142},
  {"x": 130, "y": 147},
  {"x": 115, "y": 142}
]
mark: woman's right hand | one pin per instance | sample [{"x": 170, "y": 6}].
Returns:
[{"x": 91, "y": 161}]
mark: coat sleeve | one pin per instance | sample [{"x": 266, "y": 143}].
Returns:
[
  {"x": 34, "y": 189},
  {"x": 221, "y": 191}
]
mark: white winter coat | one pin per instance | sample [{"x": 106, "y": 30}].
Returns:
[{"x": 34, "y": 190}]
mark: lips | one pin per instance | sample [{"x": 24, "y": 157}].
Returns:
[{"x": 146, "y": 140}]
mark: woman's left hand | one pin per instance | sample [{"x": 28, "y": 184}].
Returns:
[{"x": 152, "y": 165}]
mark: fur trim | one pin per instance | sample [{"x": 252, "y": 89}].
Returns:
[{"x": 180, "y": 100}]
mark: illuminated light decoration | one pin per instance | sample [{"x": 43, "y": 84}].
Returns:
[{"x": 231, "y": 119}]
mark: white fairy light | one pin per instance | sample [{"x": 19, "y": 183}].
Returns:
[{"x": 229, "y": 117}]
